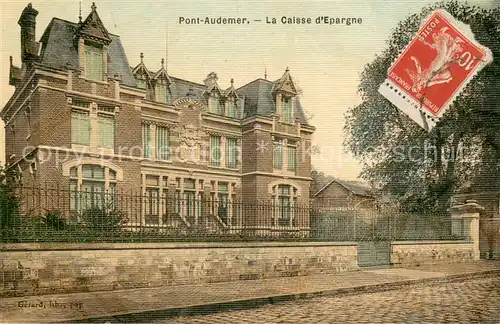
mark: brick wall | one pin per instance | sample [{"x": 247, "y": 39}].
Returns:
[
  {"x": 30, "y": 269},
  {"x": 55, "y": 119},
  {"x": 128, "y": 136}
]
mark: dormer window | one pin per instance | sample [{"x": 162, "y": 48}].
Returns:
[
  {"x": 231, "y": 108},
  {"x": 141, "y": 83},
  {"x": 215, "y": 104},
  {"x": 93, "y": 41},
  {"x": 287, "y": 110},
  {"x": 94, "y": 62},
  {"x": 161, "y": 92}
]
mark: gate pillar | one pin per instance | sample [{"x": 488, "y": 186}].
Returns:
[{"x": 465, "y": 222}]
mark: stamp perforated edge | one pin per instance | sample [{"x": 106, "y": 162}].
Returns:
[{"x": 410, "y": 106}]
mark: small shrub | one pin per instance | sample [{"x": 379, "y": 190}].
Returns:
[
  {"x": 55, "y": 220},
  {"x": 101, "y": 219}
]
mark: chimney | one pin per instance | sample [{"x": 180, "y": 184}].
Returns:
[
  {"x": 211, "y": 79},
  {"x": 27, "y": 21}
]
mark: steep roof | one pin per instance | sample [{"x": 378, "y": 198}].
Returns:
[
  {"x": 259, "y": 99},
  {"x": 285, "y": 83},
  {"x": 59, "y": 51},
  {"x": 180, "y": 88},
  {"x": 356, "y": 187}
]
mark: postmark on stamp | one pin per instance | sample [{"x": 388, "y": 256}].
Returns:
[{"x": 434, "y": 68}]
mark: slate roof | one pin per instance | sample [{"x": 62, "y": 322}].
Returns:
[
  {"x": 59, "y": 51},
  {"x": 259, "y": 99},
  {"x": 355, "y": 187},
  {"x": 180, "y": 88}
]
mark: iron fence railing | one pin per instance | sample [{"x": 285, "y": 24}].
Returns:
[{"x": 43, "y": 214}]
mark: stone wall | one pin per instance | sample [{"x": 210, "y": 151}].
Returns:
[
  {"x": 31, "y": 269},
  {"x": 415, "y": 253},
  {"x": 489, "y": 238}
]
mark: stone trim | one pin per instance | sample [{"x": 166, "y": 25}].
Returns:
[
  {"x": 145, "y": 246},
  {"x": 284, "y": 182},
  {"x": 84, "y": 151},
  {"x": 254, "y": 119},
  {"x": 430, "y": 242},
  {"x": 66, "y": 166},
  {"x": 276, "y": 175},
  {"x": 221, "y": 119},
  {"x": 57, "y": 75},
  {"x": 151, "y": 120},
  {"x": 21, "y": 106}
]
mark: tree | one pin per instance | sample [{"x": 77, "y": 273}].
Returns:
[
  {"x": 319, "y": 180},
  {"x": 424, "y": 169},
  {"x": 9, "y": 204}
]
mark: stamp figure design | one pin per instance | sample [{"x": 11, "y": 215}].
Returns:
[{"x": 434, "y": 68}]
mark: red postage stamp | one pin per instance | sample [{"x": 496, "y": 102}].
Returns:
[{"x": 434, "y": 68}]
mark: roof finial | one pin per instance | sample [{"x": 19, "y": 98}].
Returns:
[
  {"x": 287, "y": 69},
  {"x": 162, "y": 63},
  {"x": 80, "y": 13},
  {"x": 265, "y": 74},
  {"x": 93, "y": 7},
  {"x": 142, "y": 56},
  {"x": 232, "y": 81}
]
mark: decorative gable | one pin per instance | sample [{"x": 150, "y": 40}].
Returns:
[
  {"x": 285, "y": 84},
  {"x": 211, "y": 84},
  {"x": 161, "y": 76},
  {"x": 161, "y": 82},
  {"x": 142, "y": 74},
  {"x": 231, "y": 92},
  {"x": 92, "y": 29}
]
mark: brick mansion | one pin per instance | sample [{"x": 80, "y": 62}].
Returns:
[{"x": 138, "y": 128}]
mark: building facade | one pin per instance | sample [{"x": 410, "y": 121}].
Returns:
[
  {"x": 344, "y": 194},
  {"x": 82, "y": 118}
]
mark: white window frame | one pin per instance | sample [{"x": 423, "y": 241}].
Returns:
[
  {"x": 94, "y": 111},
  {"x": 76, "y": 177},
  {"x": 292, "y": 196}
]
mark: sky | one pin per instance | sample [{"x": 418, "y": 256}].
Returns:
[{"x": 325, "y": 60}]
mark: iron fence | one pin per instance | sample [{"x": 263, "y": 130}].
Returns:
[{"x": 43, "y": 214}]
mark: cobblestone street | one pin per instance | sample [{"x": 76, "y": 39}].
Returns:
[{"x": 472, "y": 301}]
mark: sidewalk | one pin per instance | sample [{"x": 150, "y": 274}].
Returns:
[{"x": 181, "y": 299}]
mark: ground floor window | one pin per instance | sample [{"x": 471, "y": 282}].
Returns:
[
  {"x": 285, "y": 201},
  {"x": 187, "y": 202},
  {"x": 92, "y": 187}
]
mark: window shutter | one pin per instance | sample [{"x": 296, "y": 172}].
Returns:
[
  {"x": 292, "y": 158},
  {"x": 216, "y": 109},
  {"x": 161, "y": 93},
  {"x": 80, "y": 127},
  {"x": 106, "y": 131},
  {"x": 287, "y": 110},
  {"x": 231, "y": 108},
  {"x": 215, "y": 150},
  {"x": 278, "y": 155},
  {"x": 94, "y": 63},
  {"x": 231, "y": 153},
  {"x": 162, "y": 143},
  {"x": 146, "y": 140}
]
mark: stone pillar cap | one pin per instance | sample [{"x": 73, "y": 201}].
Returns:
[{"x": 470, "y": 206}]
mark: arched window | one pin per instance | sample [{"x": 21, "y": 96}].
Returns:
[
  {"x": 285, "y": 198},
  {"x": 92, "y": 186}
]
